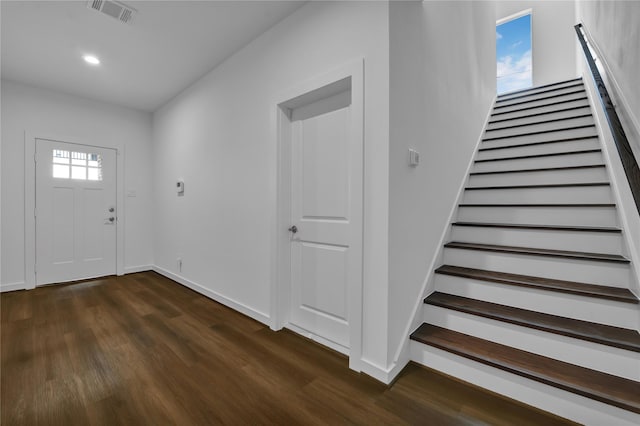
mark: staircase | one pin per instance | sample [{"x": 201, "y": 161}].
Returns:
[{"x": 535, "y": 281}]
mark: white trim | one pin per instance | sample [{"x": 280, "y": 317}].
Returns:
[
  {"x": 139, "y": 268},
  {"x": 237, "y": 306},
  {"x": 13, "y": 286},
  {"x": 402, "y": 354},
  {"x": 515, "y": 16},
  {"x": 30, "y": 137},
  {"x": 384, "y": 375},
  {"x": 280, "y": 260}
]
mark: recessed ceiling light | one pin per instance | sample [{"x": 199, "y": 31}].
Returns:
[{"x": 90, "y": 59}]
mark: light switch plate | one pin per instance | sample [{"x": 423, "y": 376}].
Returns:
[{"x": 414, "y": 158}]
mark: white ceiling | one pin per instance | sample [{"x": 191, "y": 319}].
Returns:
[{"x": 168, "y": 46}]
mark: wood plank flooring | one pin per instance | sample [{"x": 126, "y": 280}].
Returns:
[{"x": 141, "y": 349}]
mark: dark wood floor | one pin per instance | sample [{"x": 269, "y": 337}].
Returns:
[{"x": 141, "y": 349}]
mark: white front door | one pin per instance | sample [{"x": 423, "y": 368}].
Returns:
[
  {"x": 325, "y": 251},
  {"x": 76, "y": 215}
]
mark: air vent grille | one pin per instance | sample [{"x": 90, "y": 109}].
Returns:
[{"x": 114, "y": 9}]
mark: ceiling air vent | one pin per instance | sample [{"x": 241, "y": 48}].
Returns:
[{"x": 117, "y": 10}]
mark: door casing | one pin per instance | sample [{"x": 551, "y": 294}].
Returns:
[
  {"x": 281, "y": 253},
  {"x": 30, "y": 138}
]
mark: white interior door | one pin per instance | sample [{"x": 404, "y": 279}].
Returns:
[
  {"x": 76, "y": 215},
  {"x": 325, "y": 251}
]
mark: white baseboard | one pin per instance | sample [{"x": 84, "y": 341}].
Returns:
[
  {"x": 23, "y": 286},
  {"x": 243, "y": 309},
  {"x": 13, "y": 286},
  {"x": 139, "y": 268},
  {"x": 385, "y": 375}
]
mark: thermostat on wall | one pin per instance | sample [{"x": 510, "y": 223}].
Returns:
[{"x": 180, "y": 187}]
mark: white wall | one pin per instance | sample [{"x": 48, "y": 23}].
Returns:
[
  {"x": 219, "y": 136},
  {"x": 442, "y": 66},
  {"x": 553, "y": 43},
  {"x": 30, "y": 109},
  {"x": 614, "y": 29}
]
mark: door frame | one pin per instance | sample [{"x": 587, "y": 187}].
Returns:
[
  {"x": 30, "y": 138},
  {"x": 281, "y": 247}
]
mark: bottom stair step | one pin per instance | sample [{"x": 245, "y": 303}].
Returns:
[{"x": 613, "y": 390}]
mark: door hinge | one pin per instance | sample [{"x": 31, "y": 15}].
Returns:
[
  {"x": 35, "y": 212},
  {"x": 35, "y": 158}
]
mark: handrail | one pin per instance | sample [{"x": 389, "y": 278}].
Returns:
[{"x": 629, "y": 163}]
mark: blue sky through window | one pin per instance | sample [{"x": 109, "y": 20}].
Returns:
[{"x": 513, "y": 53}]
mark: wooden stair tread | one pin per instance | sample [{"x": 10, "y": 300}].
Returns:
[
  {"x": 543, "y": 169},
  {"x": 595, "y": 205},
  {"x": 582, "y": 98},
  {"x": 593, "y": 332},
  {"x": 602, "y": 257},
  {"x": 539, "y": 227},
  {"x": 572, "y": 287},
  {"x": 541, "y": 185},
  {"x": 539, "y": 87},
  {"x": 538, "y": 114},
  {"x": 551, "y": 154},
  {"x": 535, "y": 123},
  {"x": 544, "y": 98},
  {"x": 510, "y": 97},
  {"x": 607, "y": 388},
  {"x": 539, "y": 132},
  {"x": 523, "y": 145}
]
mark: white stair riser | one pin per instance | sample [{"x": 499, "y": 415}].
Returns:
[
  {"x": 499, "y": 115},
  {"x": 540, "y": 137},
  {"x": 532, "y": 118},
  {"x": 618, "y": 362},
  {"x": 612, "y": 274},
  {"x": 510, "y": 131},
  {"x": 565, "y": 404},
  {"x": 540, "y": 162},
  {"x": 579, "y": 216},
  {"x": 595, "y": 242},
  {"x": 513, "y": 106},
  {"x": 595, "y": 174},
  {"x": 518, "y": 151},
  {"x": 543, "y": 91},
  {"x": 588, "y": 194},
  {"x": 617, "y": 314}
]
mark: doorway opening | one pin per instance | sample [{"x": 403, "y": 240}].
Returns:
[{"x": 513, "y": 53}]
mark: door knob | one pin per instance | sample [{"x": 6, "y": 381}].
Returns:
[
  {"x": 111, "y": 219},
  {"x": 111, "y": 209},
  {"x": 293, "y": 229}
]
